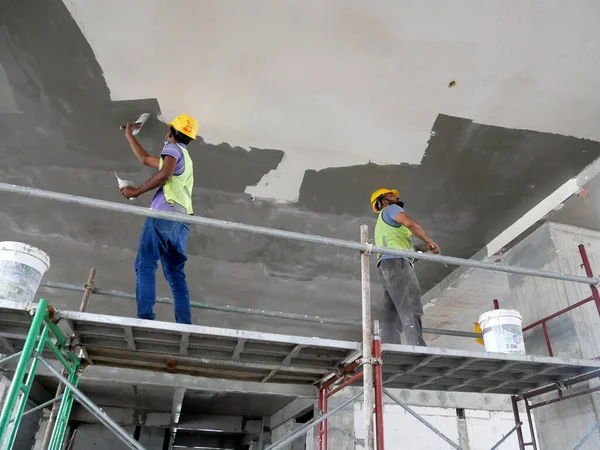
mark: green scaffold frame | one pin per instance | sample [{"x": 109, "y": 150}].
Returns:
[{"x": 42, "y": 335}]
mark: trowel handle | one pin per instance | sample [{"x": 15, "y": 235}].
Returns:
[{"x": 125, "y": 126}]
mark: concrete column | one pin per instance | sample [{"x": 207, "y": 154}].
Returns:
[
  {"x": 152, "y": 438},
  {"x": 4, "y": 385},
  {"x": 287, "y": 428},
  {"x": 341, "y": 426},
  {"x": 463, "y": 432},
  {"x": 554, "y": 247},
  {"x": 98, "y": 437},
  {"x": 39, "y": 436}
]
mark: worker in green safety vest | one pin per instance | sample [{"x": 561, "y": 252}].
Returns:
[
  {"x": 162, "y": 239},
  {"x": 403, "y": 309}
]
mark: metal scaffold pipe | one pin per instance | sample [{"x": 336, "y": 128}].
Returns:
[
  {"x": 301, "y": 237},
  {"x": 247, "y": 311},
  {"x": 91, "y": 407},
  {"x": 367, "y": 341}
]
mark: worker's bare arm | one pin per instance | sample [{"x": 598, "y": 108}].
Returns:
[
  {"x": 418, "y": 231},
  {"x": 158, "y": 179},
  {"x": 142, "y": 155}
]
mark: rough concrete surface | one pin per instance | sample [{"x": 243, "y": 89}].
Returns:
[
  {"x": 474, "y": 179},
  {"x": 554, "y": 247},
  {"x": 480, "y": 170},
  {"x": 346, "y": 82}
]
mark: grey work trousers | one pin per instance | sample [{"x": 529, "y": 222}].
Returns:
[{"x": 402, "y": 302}]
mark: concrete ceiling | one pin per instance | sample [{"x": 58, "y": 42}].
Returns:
[{"x": 305, "y": 108}]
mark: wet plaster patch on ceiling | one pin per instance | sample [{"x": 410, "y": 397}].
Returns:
[{"x": 344, "y": 83}]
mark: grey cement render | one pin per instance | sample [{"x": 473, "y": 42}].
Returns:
[
  {"x": 28, "y": 429},
  {"x": 473, "y": 182},
  {"x": 553, "y": 246},
  {"x": 97, "y": 437},
  {"x": 59, "y": 131}
]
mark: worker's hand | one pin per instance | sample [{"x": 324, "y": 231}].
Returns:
[
  {"x": 129, "y": 127},
  {"x": 432, "y": 247},
  {"x": 129, "y": 192}
]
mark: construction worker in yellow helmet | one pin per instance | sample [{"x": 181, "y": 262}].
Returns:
[
  {"x": 162, "y": 239},
  {"x": 403, "y": 309}
]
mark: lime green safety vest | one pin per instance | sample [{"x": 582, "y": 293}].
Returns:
[
  {"x": 392, "y": 237},
  {"x": 178, "y": 189}
]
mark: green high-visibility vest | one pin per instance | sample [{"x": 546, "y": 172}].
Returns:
[
  {"x": 178, "y": 189},
  {"x": 390, "y": 236}
]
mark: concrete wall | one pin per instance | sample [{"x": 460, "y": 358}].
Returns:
[
  {"x": 29, "y": 424},
  {"x": 483, "y": 428},
  {"x": 285, "y": 429},
  {"x": 98, "y": 437},
  {"x": 487, "y": 418},
  {"x": 554, "y": 247},
  {"x": 305, "y": 81}
]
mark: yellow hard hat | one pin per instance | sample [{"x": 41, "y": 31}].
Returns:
[
  {"x": 186, "y": 125},
  {"x": 378, "y": 193}
]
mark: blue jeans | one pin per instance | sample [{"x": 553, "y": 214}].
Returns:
[{"x": 165, "y": 240}]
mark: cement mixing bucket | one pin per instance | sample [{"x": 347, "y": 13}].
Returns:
[
  {"x": 502, "y": 331},
  {"x": 21, "y": 270}
]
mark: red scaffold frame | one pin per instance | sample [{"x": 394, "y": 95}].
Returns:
[{"x": 561, "y": 396}]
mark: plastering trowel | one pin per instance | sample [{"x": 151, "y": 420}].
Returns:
[
  {"x": 423, "y": 249},
  {"x": 124, "y": 183},
  {"x": 141, "y": 121}
]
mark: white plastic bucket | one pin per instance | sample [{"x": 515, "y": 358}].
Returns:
[
  {"x": 21, "y": 270},
  {"x": 502, "y": 331}
]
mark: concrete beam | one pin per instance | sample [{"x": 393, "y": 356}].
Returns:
[
  {"x": 109, "y": 375},
  {"x": 200, "y": 440},
  {"x": 256, "y": 433},
  {"x": 178, "y": 397},
  {"x": 207, "y": 422},
  {"x": 226, "y": 424},
  {"x": 538, "y": 212},
  {"x": 441, "y": 399},
  {"x": 123, "y": 416},
  {"x": 292, "y": 410},
  {"x": 223, "y": 423}
]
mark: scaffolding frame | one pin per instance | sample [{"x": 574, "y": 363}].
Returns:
[
  {"x": 506, "y": 373},
  {"x": 39, "y": 340},
  {"x": 371, "y": 361},
  {"x": 559, "y": 389}
]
